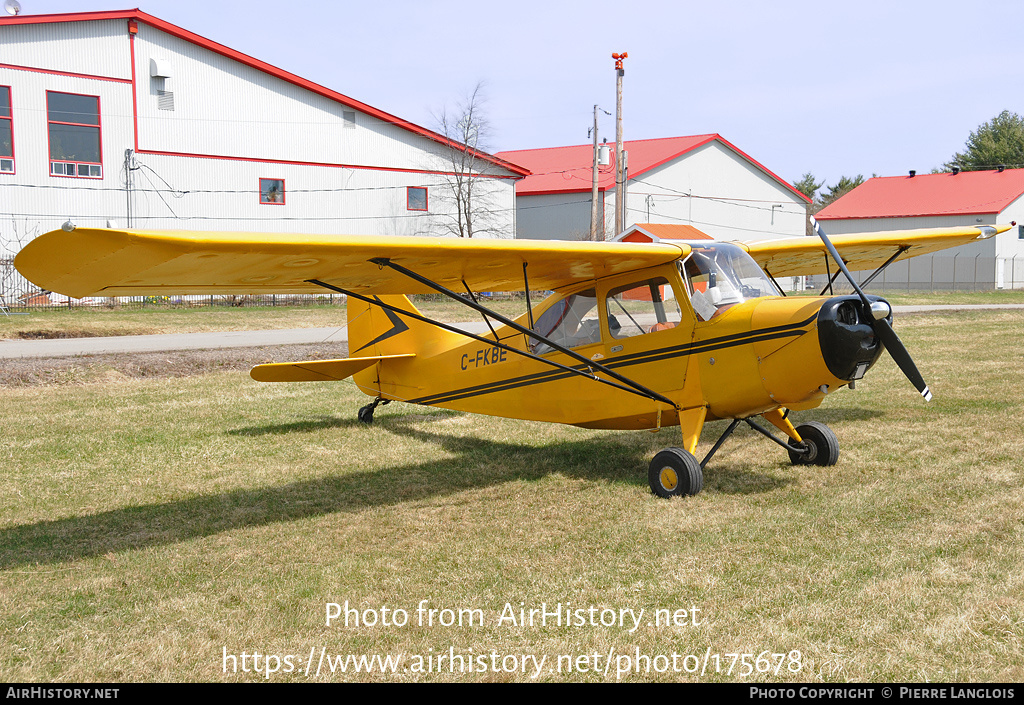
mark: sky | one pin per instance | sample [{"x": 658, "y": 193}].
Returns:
[{"x": 834, "y": 89}]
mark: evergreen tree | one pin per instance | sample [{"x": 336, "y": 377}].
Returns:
[{"x": 999, "y": 141}]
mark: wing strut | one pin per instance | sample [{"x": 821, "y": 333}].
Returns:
[
  {"x": 644, "y": 391},
  {"x": 486, "y": 319},
  {"x": 831, "y": 281},
  {"x": 773, "y": 281},
  {"x": 526, "y": 288},
  {"x": 633, "y": 387},
  {"x": 900, "y": 251}
]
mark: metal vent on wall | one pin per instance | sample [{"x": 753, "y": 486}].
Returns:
[
  {"x": 350, "y": 119},
  {"x": 165, "y": 100}
]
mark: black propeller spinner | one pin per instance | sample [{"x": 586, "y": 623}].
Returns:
[{"x": 879, "y": 324}]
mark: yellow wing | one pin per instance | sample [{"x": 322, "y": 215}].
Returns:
[
  {"x": 103, "y": 262},
  {"x": 807, "y": 255}
]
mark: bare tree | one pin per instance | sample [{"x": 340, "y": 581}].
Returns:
[
  {"x": 470, "y": 194},
  {"x": 11, "y": 242}
]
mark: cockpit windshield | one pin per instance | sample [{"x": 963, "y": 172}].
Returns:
[{"x": 720, "y": 275}]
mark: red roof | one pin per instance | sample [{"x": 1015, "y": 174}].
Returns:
[
  {"x": 570, "y": 169},
  {"x": 655, "y": 232},
  {"x": 966, "y": 193},
  {"x": 176, "y": 31}
]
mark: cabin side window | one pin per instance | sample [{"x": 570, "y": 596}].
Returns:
[
  {"x": 643, "y": 307},
  {"x": 570, "y": 322}
]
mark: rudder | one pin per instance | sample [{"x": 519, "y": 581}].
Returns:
[{"x": 374, "y": 330}]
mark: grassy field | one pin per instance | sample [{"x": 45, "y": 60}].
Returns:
[{"x": 154, "y": 529}]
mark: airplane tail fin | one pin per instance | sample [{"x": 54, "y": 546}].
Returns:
[
  {"x": 383, "y": 346},
  {"x": 377, "y": 331},
  {"x": 374, "y": 330}
]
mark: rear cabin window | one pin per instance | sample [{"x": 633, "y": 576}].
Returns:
[{"x": 569, "y": 322}]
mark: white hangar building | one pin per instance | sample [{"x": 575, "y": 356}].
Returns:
[
  {"x": 122, "y": 119},
  {"x": 699, "y": 180},
  {"x": 964, "y": 198}
]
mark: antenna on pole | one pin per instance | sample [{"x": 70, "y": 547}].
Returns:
[
  {"x": 620, "y": 166},
  {"x": 12, "y": 7}
]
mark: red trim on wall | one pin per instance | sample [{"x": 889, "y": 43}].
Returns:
[
  {"x": 72, "y": 74},
  {"x": 293, "y": 162},
  {"x": 10, "y": 119},
  {"x": 135, "y": 97},
  {"x": 176, "y": 31}
]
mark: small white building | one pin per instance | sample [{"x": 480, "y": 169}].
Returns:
[
  {"x": 701, "y": 180},
  {"x": 993, "y": 197},
  {"x": 123, "y": 119}
]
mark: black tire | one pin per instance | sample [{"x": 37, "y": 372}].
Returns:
[
  {"x": 366, "y": 413},
  {"x": 675, "y": 473},
  {"x": 822, "y": 444}
]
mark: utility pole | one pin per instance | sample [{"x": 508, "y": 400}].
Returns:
[
  {"x": 595, "y": 232},
  {"x": 593, "y": 189},
  {"x": 620, "y": 181}
]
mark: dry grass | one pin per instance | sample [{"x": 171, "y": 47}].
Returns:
[{"x": 147, "y": 524}]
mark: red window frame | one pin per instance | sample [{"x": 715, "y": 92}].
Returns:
[
  {"x": 272, "y": 203},
  {"x": 426, "y": 198},
  {"x": 77, "y": 164},
  {"x": 9, "y": 117}
]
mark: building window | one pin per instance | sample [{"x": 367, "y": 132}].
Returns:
[
  {"x": 348, "y": 119},
  {"x": 1020, "y": 232},
  {"x": 74, "y": 126},
  {"x": 6, "y": 132},
  {"x": 272, "y": 191},
  {"x": 416, "y": 198}
]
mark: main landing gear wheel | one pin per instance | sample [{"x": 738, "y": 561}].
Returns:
[
  {"x": 822, "y": 445},
  {"x": 675, "y": 473}
]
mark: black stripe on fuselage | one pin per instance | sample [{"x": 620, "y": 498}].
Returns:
[{"x": 728, "y": 341}]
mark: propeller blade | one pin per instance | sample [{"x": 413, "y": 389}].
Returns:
[
  {"x": 881, "y": 327},
  {"x": 899, "y": 353},
  {"x": 839, "y": 261}
]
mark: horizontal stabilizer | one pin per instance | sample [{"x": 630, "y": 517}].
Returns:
[{"x": 317, "y": 370}]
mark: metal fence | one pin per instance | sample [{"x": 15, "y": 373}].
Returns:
[
  {"x": 940, "y": 273},
  {"x": 937, "y": 273}
]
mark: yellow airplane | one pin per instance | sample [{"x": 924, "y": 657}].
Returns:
[{"x": 634, "y": 336}]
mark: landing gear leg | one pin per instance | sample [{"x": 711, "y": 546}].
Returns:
[{"x": 366, "y": 412}]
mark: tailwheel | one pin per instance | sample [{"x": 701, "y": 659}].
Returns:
[
  {"x": 675, "y": 473},
  {"x": 821, "y": 447},
  {"x": 366, "y": 412}
]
